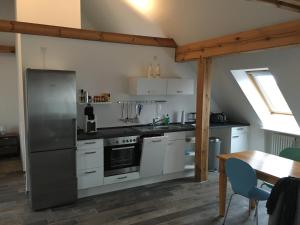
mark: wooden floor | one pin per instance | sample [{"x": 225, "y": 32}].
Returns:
[{"x": 174, "y": 202}]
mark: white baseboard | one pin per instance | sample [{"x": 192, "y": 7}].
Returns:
[{"x": 130, "y": 184}]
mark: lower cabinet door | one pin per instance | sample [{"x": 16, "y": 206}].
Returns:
[
  {"x": 89, "y": 178},
  {"x": 121, "y": 178},
  {"x": 174, "y": 157},
  {"x": 239, "y": 142},
  {"x": 153, "y": 154}
]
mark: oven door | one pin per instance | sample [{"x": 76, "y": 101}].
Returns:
[{"x": 121, "y": 159}]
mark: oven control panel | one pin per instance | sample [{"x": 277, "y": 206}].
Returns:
[{"x": 121, "y": 141}]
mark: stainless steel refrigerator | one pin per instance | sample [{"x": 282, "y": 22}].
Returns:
[{"x": 51, "y": 136}]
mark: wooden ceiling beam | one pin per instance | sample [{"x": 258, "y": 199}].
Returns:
[
  {"x": 292, "y": 5},
  {"x": 73, "y": 33},
  {"x": 267, "y": 37},
  {"x": 7, "y": 49}
]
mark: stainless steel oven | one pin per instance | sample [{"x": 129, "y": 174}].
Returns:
[{"x": 121, "y": 155}]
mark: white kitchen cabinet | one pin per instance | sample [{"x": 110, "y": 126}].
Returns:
[
  {"x": 90, "y": 163},
  {"x": 147, "y": 86},
  {"x": 239, "y": 139},
  {"x": 160, "y": 86},
  {"x": 233, "y": 139},
  {"x": 153, "y": 153},
  {"x": 121, "y": 178},
  {"x": 174, "y": 157},
  {"x": 89, "y": 178},
  {"x": 180, "y": 87}
]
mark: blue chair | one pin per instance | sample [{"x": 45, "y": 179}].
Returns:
[{"x": 244, "y": 182}]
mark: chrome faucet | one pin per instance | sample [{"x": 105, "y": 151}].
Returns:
[{"x": 155, "y": 121}]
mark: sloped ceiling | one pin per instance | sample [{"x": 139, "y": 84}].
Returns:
[
  {"x": 184, "y": 20},
  {"x": 7, "y": 12}
]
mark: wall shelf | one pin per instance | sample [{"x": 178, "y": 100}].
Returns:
[{"x": 95, "y": 103}]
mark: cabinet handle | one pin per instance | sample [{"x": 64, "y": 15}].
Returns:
[
  {"x": 90, "y": 143},
  {"x": 240, "y": 128},
  {"x": 89, "y": 153},
  {"x": 89, "y": 172},
  {"x": 235, "y": 136},
  {"x": 155, "y": 141},
  {"x": 179, "y": 91},
  {"x": 121, "y": 178},
  {"x": 148, "y": 92}
]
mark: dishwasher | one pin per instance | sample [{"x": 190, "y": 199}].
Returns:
[{"x": 153, "y": 154}]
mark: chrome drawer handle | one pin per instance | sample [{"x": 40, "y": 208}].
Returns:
[
  {"x": 89, "y": 172},
  {"x": 235, "y": 136},
  {"x": 156, "y": 141},
  {"x": 240, "y": 129},
  {"x": 123, "y": 148},
  {"x": 90, "y": 143},
  {"x": 121, "y": 178},
  {"x": 179, "y": 91},
  {"x": 89, "y": 153}
]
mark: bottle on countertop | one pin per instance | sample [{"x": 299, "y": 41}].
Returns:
[
  {"x": 157, "y": 70},
  {"x": 166, "y": 119},
  {"x": 150, "y": 71},
  {"x": 182, "y": 117}
]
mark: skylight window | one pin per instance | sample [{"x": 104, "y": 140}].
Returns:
[{"x": 267, "y": 87}]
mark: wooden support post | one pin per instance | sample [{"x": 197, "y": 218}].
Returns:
[{"x": 202, "y": 121}]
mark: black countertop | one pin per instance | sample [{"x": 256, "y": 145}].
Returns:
[
  {"x": 132, "y": 131},
  {"x": 146, "y": 130},
  {"x": 228, "y": 124}
]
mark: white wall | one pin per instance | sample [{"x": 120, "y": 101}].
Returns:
[
  {"x": 52, "y": 12},
  {"x": 283, "y": 63},
  {"x": 8, "y": 92},
  {"x": 7, "y": 13},
  {"x": 105, "y": 67},
  {"x": 8, "y": 74}
]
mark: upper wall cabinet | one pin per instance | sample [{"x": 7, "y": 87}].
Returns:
[
  {"x": 146, "y": 86},
  {"x": 160, "y": 86},
  {"x": 180, "y": 87}
]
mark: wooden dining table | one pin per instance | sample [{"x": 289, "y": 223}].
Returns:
[{"x": 268, "y": 167}]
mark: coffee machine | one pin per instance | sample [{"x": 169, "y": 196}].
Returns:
[{"x": 90, "y": 124}]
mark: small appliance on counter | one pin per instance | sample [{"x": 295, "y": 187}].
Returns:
[
  {"x": 218, "y": 118},
  {"x": 191, "y": 117},
  {"x": 90, "y": 125}
]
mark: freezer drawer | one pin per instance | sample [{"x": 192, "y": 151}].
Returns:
[
  {"x": 53, "y": 194},
  {"x": 53, "y": 178}
]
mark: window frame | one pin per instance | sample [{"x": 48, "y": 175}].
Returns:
[{"x": 264, "y": 98}]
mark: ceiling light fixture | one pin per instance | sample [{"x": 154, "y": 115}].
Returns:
[{"x": 143, "y": 6}]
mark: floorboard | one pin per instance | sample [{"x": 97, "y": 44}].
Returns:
[{"x": 177, "y": 202}]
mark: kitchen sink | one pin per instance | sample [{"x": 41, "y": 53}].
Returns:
[{"x": 158, "y": 127}]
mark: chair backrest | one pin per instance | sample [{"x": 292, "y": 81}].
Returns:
[
  {"x": 291, "y": 153},
  {"x": 274, "y": 218},
  {"x": 241, "y": 176}
]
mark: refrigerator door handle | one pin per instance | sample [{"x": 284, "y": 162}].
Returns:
[{"x": 74, "y": 121}]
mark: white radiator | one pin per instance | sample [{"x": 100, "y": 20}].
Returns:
[{"x": 280, "y": 142}]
